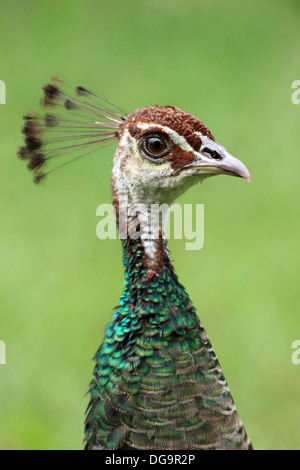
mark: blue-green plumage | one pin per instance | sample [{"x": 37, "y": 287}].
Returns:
[{"x": 157, "y": 383}]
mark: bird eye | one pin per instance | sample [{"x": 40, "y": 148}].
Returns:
[{"x": 155, "y": 146}]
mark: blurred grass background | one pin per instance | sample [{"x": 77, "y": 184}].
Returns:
[{"x": 231, "y": 64}]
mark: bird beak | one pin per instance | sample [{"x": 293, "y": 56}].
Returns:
[{"x": 215, "y": 160}]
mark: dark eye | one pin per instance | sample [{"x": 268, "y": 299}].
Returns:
[{"x": 155, "y": 146}]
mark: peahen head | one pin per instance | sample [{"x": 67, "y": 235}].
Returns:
[{"x": 163, "y": 151}]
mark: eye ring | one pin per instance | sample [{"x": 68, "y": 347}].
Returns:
[{"x": 155, "y": 146}]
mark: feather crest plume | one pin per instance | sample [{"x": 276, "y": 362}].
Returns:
[{"x": 75, "y": 123}]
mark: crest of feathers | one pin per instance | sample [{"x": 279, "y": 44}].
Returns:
[{"x": 75, "y": 123}]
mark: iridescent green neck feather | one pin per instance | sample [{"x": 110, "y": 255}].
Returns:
[{"x": 157, "y": 383}]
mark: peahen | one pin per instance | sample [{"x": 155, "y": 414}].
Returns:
[{"x": 157, "y": 382}]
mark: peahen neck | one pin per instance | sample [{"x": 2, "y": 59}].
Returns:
[
  {"x": 151, "y": 284},
  {"x": 157, "y": 382}
]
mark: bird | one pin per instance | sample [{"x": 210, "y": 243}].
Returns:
[{"x": 157, "y": 382}]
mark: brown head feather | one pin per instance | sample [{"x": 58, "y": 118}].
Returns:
[{"x": 183, "y": 123}]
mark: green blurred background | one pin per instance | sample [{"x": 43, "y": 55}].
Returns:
[{"x": 231, "y": 63}]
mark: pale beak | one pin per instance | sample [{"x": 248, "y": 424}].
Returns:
[{"x": 216, "y": 160}]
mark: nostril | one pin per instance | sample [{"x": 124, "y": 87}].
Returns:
[{"x": 211, "y": 153}]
